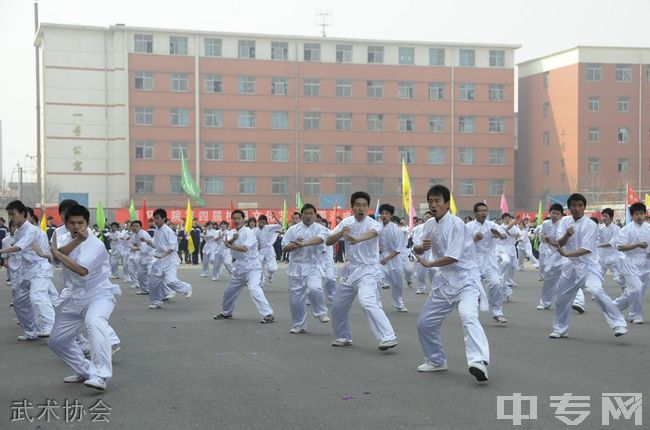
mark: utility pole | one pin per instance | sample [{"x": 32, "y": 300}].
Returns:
[{"x": 39, "y": 189}]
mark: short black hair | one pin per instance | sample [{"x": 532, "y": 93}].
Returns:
[
  {"x": 637, "y": 207},
  {"x": 478, "y": 205},
  {"x": 608, "y": 211},
  {"x": 439, "y": 190},
  {"x": 556, "y": 207},
  {"x": 576, "y": 197},
  {"x": 17, "y": 206},
  {"x": 66, "y": 204},
  {"x": 395, "y": 219},
  {"x": 77, "y": 210},
  {"x": 224, "y": 223},
  {"x": 114, "y": 223},
  {"x": 238, "y": 211},
  {"x": 596, "y": 220},
  {"x": 387, "y": 208},
  {"x": 307, "y": 206},
  {"x": 295, "y": 213},
  {"x": 262, "y": 218},
  {"x": 359, "y": 195},
  {"x": 161, "y": 213},
  {"x": 136, "y": 221},
  {"x": 506, "y": 214}
]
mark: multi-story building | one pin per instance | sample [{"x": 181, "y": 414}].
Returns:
[
  {"x": 584, "y": 124},
  {"x": 260, "y": 117}
]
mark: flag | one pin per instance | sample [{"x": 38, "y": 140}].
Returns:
[
  {"x": 101, "y": 219},
  {"x": 406, "y": 188},
  {"x": 132, "y": 214},
  {"x": 539, "y": 222},
  {"x": 298, "y": 201},
  {"x": 377, "y": 210},
  {"x": 647, "y": 200},
  {"x": 452, "y": 205},
  {"x": 285, "y": 219},
  {"x": 188, "y": 184},
  {"x": 232, "y": 209},
  {"x": 504, "y": 204},
  {"x": 336, "y": 214},
  {"x": 43, "y": 220},
  {"x": 188, "y": 227},
  {"x": 632, "y": 196},
  {"x": 411, "y": 214},
  {"x": 143, "y": 214}
]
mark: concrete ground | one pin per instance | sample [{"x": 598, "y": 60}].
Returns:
[{"x": 180, "y": 369}]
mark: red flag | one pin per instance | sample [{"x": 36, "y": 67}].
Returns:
[
  {"x": 232, "y": 209},
  {"x": 632, "y": 196},
  {"x": 504, "y": 204},
  {"x": 336, "y": 214},
  {"x": 143, "y": 214}
]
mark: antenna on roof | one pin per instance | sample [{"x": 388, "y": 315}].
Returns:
[{"x": 324, "y": 20}]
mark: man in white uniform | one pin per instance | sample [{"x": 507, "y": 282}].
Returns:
[
  {"x": 609, "y": 255},
  {"x": 211, "y": 238},
  {"x": 266, "y": 235},
  {"x": 551, "y": 262},
  {"x": 391, "y": 243}
]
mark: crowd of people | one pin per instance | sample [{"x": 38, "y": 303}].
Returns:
[{"x": 445, "y": 256}]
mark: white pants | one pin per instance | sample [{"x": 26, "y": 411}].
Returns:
[
  {"x": 633, "y": 295},
  {"x": 221, "y": 260},
  {"x": 94, "y": 316},
  {"x": 206, "y": 260},
  {"x": 167, "y": 278},
  {"x": 269, "y": 260},
  {"x": 394, "y": 278},
  {"x": 508, "y": 269},
  {"x": 408, "y": 266},
  {"x": 39, "y": 295},
  {"x": 434, "y": 312},
  {"x": 115, "y": 262},
  {"x": 23, "y": 307},
  {"x": 245, "y": 277},
  {"x": 144, "y": 274},
  {"x": 299, "y": 287},
  {"x": 369, "y": 298},
  {"x": 551, "y": 279},
  {"x": 494, "y": 282},
  {"x": 567, "y": 289},
  {"x": 133, "y": 263}
]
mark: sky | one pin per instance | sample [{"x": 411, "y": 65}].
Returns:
[{"x": 540, "y": 27}]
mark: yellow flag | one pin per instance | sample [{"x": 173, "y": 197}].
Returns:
[
  {"x": 647, "y": 200},
  {"x": 406, "y": 187},
  {"x": 452, "y": 205},
  {"x": 188, "y": 227},
  {"x": 44, "y": 219}
]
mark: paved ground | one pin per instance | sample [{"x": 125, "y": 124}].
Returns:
[{"x": 180, "y": 369}]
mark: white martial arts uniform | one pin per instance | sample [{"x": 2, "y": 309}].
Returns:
[
  {"x": 634, "y": 266},
  {"x": 456, "y": 285},
  {"x": 609, "y": 256},
  {"x": 404, "y": 255},
  {"x": 360, "y": 277},
  {"x": 391, "y": 240},
  {"x": 508, "y": 256},
  {"x": 266, "y": 238},
  {"x": 329, "y": 270},
  {"x": 115, "y": 252},
  {"x": 210, "y": 236},
  {"x": 144, "y": 260},
  {"x": 422, "y": 272},
  {"x": 164, "y": 270},
  {"x": 222, "y": 256},
  {"x": 551, "y": 264}
]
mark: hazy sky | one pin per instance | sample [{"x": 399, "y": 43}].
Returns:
[{"x": 541, "y": 27}]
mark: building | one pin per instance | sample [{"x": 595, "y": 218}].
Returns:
[
  {"x": 260, "y": 117},
  {"x": 584, "y": 124}
]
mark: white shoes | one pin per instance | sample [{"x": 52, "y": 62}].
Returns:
[
  {"x": 73, "y": 379},
  {"x": 620, "y": 331},
  {"x": 44, "y": 334},
  {"x": 428, "y": 366},
  {"x": 556, "y": 335},
  {"x": 542, "y": 308},
  {"x": 387, "y": 344},
  {"x": 96, "y": 382},
  {"x": 340, "y": 343},
  {"x": 152, "y": 306},
  {"x": 23, "y": 338},
  {"x": 188, "y": 294},
  {"x": 297, "y": 330},
  {"x": 479, "y": 371},
  {"x": 637, "y": 321},
  {"x": 500, "y": 319}
]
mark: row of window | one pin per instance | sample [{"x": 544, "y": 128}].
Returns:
[
  {"x": 144, "y": 184},
  {"x": 213, "y": 118},
  {"x": 593, "y": 136},
  {"x": 213, "y": 84},
  {"x": 594, "y": 72},
  {"x": 593, "y": 165},
  {"x": 593, "y": 104},
  {"x": 144, "y": 150},
  {"x": 213, "y": 47}
]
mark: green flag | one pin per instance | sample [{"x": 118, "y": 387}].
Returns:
[
  {"x": 539, "y": 222},
  {"x": 132, "y": 214},
  {"x": 298, "y": 201},
  {"x": 188, "y": 184},
  {"x": 285, "y": 221},
  {"x": 101, "y": 219}
]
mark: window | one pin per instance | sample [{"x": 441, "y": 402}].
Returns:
[
  {"x": 436, "y": 56},
  {"x": 311, "y": 153},
  {"x": 497, "y": 156},
  {"x": 311, "y": 87},
  {"x": 213, "y": 185},
  {"x": 178, "y": 45},
  {"x": 178, "y": 82},
  {"x": 375, "y": 54},
  {"x": 623, "y": 165},
  {"x": 175, "y": 185},
  {"x": 375, "y": 122},
  {"x": 436, "y": 91},
  {"x": 623, "y": 72},
  {"x": 436, "y": 155},
  {"x": 212, "y": 47},
  {"x": 247, "y": 85},
  {"x": 212, "y": 84},
  {"x": 375, "y": 154},
  {"x": 405, "y": 89},
  {"x": 405, "y": 123},
  {"x": 466, "y": 91},
  {"x": 623, "y": 104},
  {"x": 594, "y": 104},
  {"x": 546, "y": 167},
  {"x": 375, "y": 187},
  {"x": 344, "y": 121},
  {"x": 546, "y": 79},
  {"x": 213, "y": 152},
  {"x": 246, "y": 151},
  {"x": 546, "y": 138},
  {"x": 344, "y": 154},
  {"x": 466, "y": 124},
  {"x": 312, "y": 51},
  {"x": 344, "y": 185},
  {"x": 143, "y": 43},
  {"x": 594, "y": 72},
  {"x": 246, "y": 48},
  {"x": 280, "y": 152},
  {"x": 144, "y": 150},
  {"x": 143, "y": 116},
  {"x": 406, "y": 55},
  {"x": 467, "y": 187},
  {"x": 495, "y": 187},
  {"x": 435, "y": 181},
  {"x": 144, "y": 184},
  {"x": 467, "y": 156},
  {"x": 436, "y": 123},
  {"x": 144, "y": 81},
  {"x": 594, "y": 134},
  {"x": 177, "y": 148},
  {"x": 311, "y": 186},
  {"x": 546, "y": 110},
  {"x": 407, "y": 154},
  {"x": 495, "y": 92},
  {"x": 343, "y": 53},
  {"x": 623, "y": 135},
  {"x": 593, "y": 165},
  {"x": 279, "y": 50},
  {"x": 246, "y": 119},
  {"x": 375, "y": 89},
  {"x": 311, "y": 121},
  {"x": 496, "y": 125},
  {"x": 279, "y": 86},
  {"x": 212, "y": 118},
  {"x": 279, "y": 120},
  {"x": 280, "y": 185},
  {"x": 343, "y": 88},
  {"x": 497, "y": 58},
  {"x": 466, "y": 58},
  {"x": 247, "y": 185},
  {"x": 179, "y": 117}
]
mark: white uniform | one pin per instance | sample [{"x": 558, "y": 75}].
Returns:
[
  {"x": 266, "y": 238},
  {"x": 635, "y": 269},
  {"x": 458, "y": 286},
  {"x": 609, "y": 256},
  {"x": 551, "y": 264},
  {"x": 360, "y": 276},
  {"x": 404, "y": 255},
  {"x": 164, "y": 270},
  {"x": 391, "y": 240},
  {"x": 582, "y": 272},
  {"x": 144, "y": 261},
  {"x": 115, "y": 252},
  {"x": 329, "y": 270},
  {"x": 210, "y": 236},
  {"x": 422, "y": 272},
  {"x": 508, "y": 256},
  {"x": 222, "y": 256},
  {"x": 305, "y": 273},
  {"x": 525, "y": 249}
]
